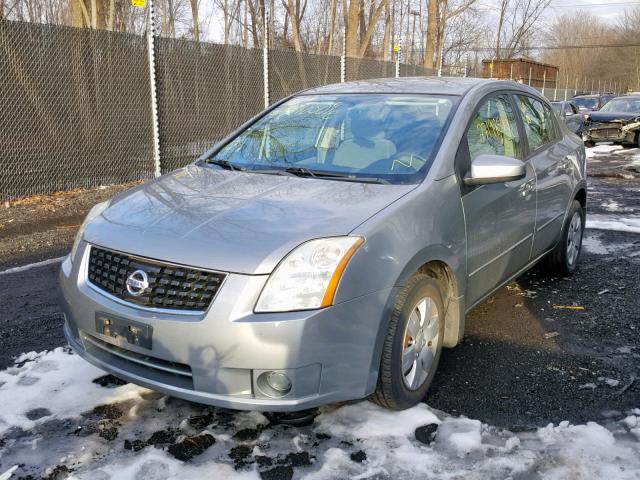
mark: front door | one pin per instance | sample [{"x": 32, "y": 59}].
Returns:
[{"x": 499, "y": 217}]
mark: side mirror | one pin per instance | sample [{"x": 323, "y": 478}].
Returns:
[{"x": 495, "y": 169}]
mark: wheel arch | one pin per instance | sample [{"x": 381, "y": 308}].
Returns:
[
  {"x": 442, "y": 265},
  {"x": 581, "y": 196}
]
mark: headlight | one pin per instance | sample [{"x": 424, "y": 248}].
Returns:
[
  {"x": 307, "y": 278},
  {"x": 93, "y": 213}
]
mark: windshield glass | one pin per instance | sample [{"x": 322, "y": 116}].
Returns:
[
  {"x": 586, "y": 102},
  {"x": 623, "y": 105},
  {"x": 391, "y": 138}
]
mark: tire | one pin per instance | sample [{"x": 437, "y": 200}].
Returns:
[
  {"x": 563, "y": 260},
  {"x": 397, "y": 389},
  {"x": 589, "y": 144}
]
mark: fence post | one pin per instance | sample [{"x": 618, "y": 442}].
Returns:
[
  {"x": 441, "y": 56},
  {"x": 544, "y": 81},
  {"x": 265, "y": 57},
  {"x": 529, "y": 76},
  {"x": 151, "y": 55},
  {"x": 343, "y": 57}
]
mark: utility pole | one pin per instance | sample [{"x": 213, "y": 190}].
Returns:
[{"x": 415, "y": 14}]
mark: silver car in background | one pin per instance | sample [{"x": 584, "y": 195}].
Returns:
[{"x": 329, "y": 248}]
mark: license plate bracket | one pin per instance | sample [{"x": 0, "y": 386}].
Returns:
[{"x": 135, "y": 333}]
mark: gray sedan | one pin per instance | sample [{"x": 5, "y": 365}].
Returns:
[{"x": 329, "y": 248}]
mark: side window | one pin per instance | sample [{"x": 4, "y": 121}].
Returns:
[
  {"x": 494, "y": 130},
  {"x": 567, "y": 109},
  {"x": 538, "y": 122}
]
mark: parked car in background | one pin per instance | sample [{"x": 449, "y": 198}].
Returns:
[
  {"x": 618, "y": 122},
  {"x": 570, "y": 114},
  {"x": 590, "y": 103},
  {"x": 330, "y": 248}
]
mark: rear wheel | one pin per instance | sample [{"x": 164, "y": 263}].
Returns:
[
  {"x": 412, "y": 346},
  {"x": 563, "y": 260},
  {"x": 589, "y": 144}
]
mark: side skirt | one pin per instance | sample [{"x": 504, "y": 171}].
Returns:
[{"x": 515, "y": 275}]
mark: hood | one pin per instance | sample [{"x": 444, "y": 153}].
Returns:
[
  {"x": 617, "y": 117},
  {"x": 234, "y": 221}
]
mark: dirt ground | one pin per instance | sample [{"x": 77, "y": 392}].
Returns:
[{"x": 525, "y": 359}]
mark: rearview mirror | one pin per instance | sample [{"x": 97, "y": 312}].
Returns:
[{"x": 495, "y": 169}]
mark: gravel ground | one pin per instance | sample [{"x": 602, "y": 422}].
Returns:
[{"x": 538, "y": 364}]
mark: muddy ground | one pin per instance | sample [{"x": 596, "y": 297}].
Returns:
[{"x": 524, "y": 361}]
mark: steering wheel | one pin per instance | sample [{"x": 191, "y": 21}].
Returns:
[{"x": 406, "y": 163}]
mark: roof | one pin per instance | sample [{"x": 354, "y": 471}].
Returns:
[
  {"x": 519, "y": 59},
  {"x": 432, "y": 85}
]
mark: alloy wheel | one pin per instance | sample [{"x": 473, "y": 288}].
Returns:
[
  {"x": 574, "y": 238},
  {"x": 420, "y": 343}
]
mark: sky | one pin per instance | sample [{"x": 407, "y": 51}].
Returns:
[{"x": 607, "y": 10}]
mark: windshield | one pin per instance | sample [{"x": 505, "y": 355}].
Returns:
[
  {"x": 623, "y": 105},
  {"x": 586, "y": 102},
  {"x": 391, "y": 138}
]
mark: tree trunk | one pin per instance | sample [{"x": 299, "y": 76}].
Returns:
[
  {"x": 387, "y": 32},
  {"x": 196, "y": 23},
  {"x": 332, "y": 28},
  {"x": 353, "y": 17},
  {"x": 503, "y": 11},
  {"x": 432, "y": 32},
  {"x": 293, "y": 7}
]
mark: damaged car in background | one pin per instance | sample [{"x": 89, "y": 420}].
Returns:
[{"x": 618, "y": 122}]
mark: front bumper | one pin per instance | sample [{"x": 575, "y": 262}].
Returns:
[
  {"x": 219, "y": 357},
  {"x": 608, "y": 133}
]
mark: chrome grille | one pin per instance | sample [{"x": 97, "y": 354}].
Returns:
[{"x": 170, "y": 286}]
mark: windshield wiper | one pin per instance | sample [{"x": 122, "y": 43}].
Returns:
[
  {"x": 226, "y": 164},
  {"x": 300, "y": 171},
  {"x": 345, "y": 177}
]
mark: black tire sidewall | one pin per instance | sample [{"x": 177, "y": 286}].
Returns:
[{"x": 403, "y": 396}]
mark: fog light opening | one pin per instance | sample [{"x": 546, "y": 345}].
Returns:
[{"x": 274, "y": 384}]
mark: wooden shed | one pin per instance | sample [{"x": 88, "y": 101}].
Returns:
[{"x": 521, "y": 70}]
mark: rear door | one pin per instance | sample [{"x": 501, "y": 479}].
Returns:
[
  {"x": 499, "y": 217},
  {"x": 552, "y": 162}
]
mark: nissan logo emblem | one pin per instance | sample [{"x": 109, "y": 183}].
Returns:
[{"x": 137, "y": 282}]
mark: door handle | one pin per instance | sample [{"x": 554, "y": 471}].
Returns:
[{"x": 527, "y": 187}]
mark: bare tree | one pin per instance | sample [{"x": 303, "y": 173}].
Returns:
[
  {"x": 432, "y": 32},
  {"x": 194, "y": 20},
  {"x": 295, "y": 10},
  {"x": 360, "y": 26},
  {"x": 517, "y": 19}
]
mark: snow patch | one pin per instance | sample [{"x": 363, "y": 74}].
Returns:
[
  {"x": 462, "y": 447},
  {"x": 607, "y": 222},
  {"x": 601, "y": 149},
  {"x": 52, "y": 380}
]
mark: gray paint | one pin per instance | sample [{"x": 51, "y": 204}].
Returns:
[{"x": 246, "y": 223}]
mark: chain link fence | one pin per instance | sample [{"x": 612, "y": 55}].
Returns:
[
  {"x": 74, "y": 109},
  {"x": 204, "y": 92},
  {"x": 76, "y": 104}
]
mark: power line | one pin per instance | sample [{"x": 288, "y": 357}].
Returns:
[
  {"x": 558, "y": 47},
  {"x": 574, "y": 5}
]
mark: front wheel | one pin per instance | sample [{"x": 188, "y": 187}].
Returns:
[
  {"x": 563, "y": 259},
  {"x": 412, "y": 346}
]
